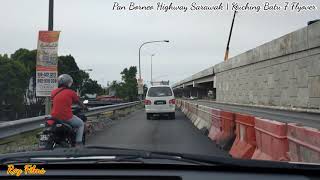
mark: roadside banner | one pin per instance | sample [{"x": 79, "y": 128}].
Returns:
[
  {"x": 47, "y": 62},
  {"x": 140, "y": 86}
]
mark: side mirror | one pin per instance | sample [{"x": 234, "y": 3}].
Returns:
[{"x": 85, "y": 102}]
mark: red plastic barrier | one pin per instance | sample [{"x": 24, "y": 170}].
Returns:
[
  {"x": 304, "y": 143},
  {"x": 245, "y": 142},
  {"x": 272, "y": 142},
  {"x": 226, "y": 137},
  {"x": 215, "y": 128}
]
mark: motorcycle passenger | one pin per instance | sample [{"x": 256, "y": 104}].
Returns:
[{"x": 63, "y": 97}]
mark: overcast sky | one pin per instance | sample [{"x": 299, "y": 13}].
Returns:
[{"x": 108, "y": 40}]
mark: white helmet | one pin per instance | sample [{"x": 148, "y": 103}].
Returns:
[{"x": 65, "y": 80}]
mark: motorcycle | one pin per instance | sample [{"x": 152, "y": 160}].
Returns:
[{"x": 58, "y": 134}]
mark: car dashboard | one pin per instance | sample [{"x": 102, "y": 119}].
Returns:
[{"x": 170, "y": 172}]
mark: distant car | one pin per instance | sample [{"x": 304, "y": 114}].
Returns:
[{"x": 160, "y": 100}]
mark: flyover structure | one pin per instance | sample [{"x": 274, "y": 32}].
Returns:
[
  {"x": 197, "y": 85},
  {"x": 283, "y": 72}
]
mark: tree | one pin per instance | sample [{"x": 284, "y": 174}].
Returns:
[
  {"x": 13, "y": 83},
  {"x": 130, "y": 83},
  {"x": 18, "y": 80},
  {"x": 68, "y": 65},
  {"x": 92, "y": 87},
  {"x": 127, "y": 89},
  {"x": 28, "y": 59},
  {"x": 4, "y": 57},
  {"x": 81, "y": 79}
]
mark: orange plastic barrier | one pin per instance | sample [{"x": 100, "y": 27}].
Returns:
[
  {"x": 304, "y": 143},
  {"x": 272, "y": 142},
  {"x": 227, "y": 136},
  {"x": 215, "y": 128},
  {"x": 245, "y": 142}
]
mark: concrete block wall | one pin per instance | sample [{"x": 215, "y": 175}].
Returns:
[{"x": 284, "y": 72}]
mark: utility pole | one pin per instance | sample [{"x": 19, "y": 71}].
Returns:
[
  {"x": 148, "y": 42},
  {"x": 50, "y": 23},
  {"x": 226, "y": 55},
  {"x": 50, "y": 28},
  {"x": 151, "y": 68}
]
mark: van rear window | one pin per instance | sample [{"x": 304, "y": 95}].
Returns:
[{"x": 159, "y": 92}]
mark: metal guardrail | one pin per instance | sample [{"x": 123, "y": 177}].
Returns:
[
  {"x": 101, "y": 109},
  {"x": 16, "y": 127}
]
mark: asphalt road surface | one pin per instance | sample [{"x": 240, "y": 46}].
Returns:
[
  {"x": 307, "y": 119},
  {"x": 136, "y": 132}
]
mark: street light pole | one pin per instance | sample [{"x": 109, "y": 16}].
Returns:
[
  {"x": 140, "y": 52},
  {"x": 148, "y": 42},
  {"x": 50, "y": 23},
  {"x": 151, "y": 67},
  {"x": 50, "y": 28}
]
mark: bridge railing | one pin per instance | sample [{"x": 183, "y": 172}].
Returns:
[{"x": 16, "y": 127}]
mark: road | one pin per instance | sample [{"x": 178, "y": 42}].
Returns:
[
  {"x": 136, "y": 132},
  {"x": 307, "y": 119}
]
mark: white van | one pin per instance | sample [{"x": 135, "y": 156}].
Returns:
[{"x": 160, "y": 100}]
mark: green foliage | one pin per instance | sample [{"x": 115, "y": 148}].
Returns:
[
  {"x": 27, "y": 58},
  {"x": 68, "y": 65},
  {"x": 4, "y": 57},
  {"x": 17, "y": 70},
  {"x": 81, "y": 79},
  {"x": 13, "y": 83},
  {"x": 91, "y": 87},
  {"x": 128, "y": 88}
]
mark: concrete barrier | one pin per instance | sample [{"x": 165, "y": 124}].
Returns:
[
  {"x": 203, "y": 121},
  {"x": 189, "y": 110},
  {"x": 185, "y": 107},
  {"x": 205, "y": 115},
  {"x": 193, "y": 114},
  {"x": 215, "y": 129},
  {"x": 178, "y": 103}
]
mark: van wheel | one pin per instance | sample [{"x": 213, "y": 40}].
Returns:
[{"x": 148, "y": 116}]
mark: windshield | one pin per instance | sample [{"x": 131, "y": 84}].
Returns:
[
  {"x": 159, "y": 91},
  {"x": 227, "y": 79}
]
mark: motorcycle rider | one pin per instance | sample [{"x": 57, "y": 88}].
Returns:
[{"x": 63, "y": 97}]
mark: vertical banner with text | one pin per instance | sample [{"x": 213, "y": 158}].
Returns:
[{"x": 47, "y": 62}]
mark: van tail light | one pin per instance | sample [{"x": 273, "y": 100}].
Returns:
[
  {"x": 172, "y": 101},
  {"x": 147, "y": 102}
]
